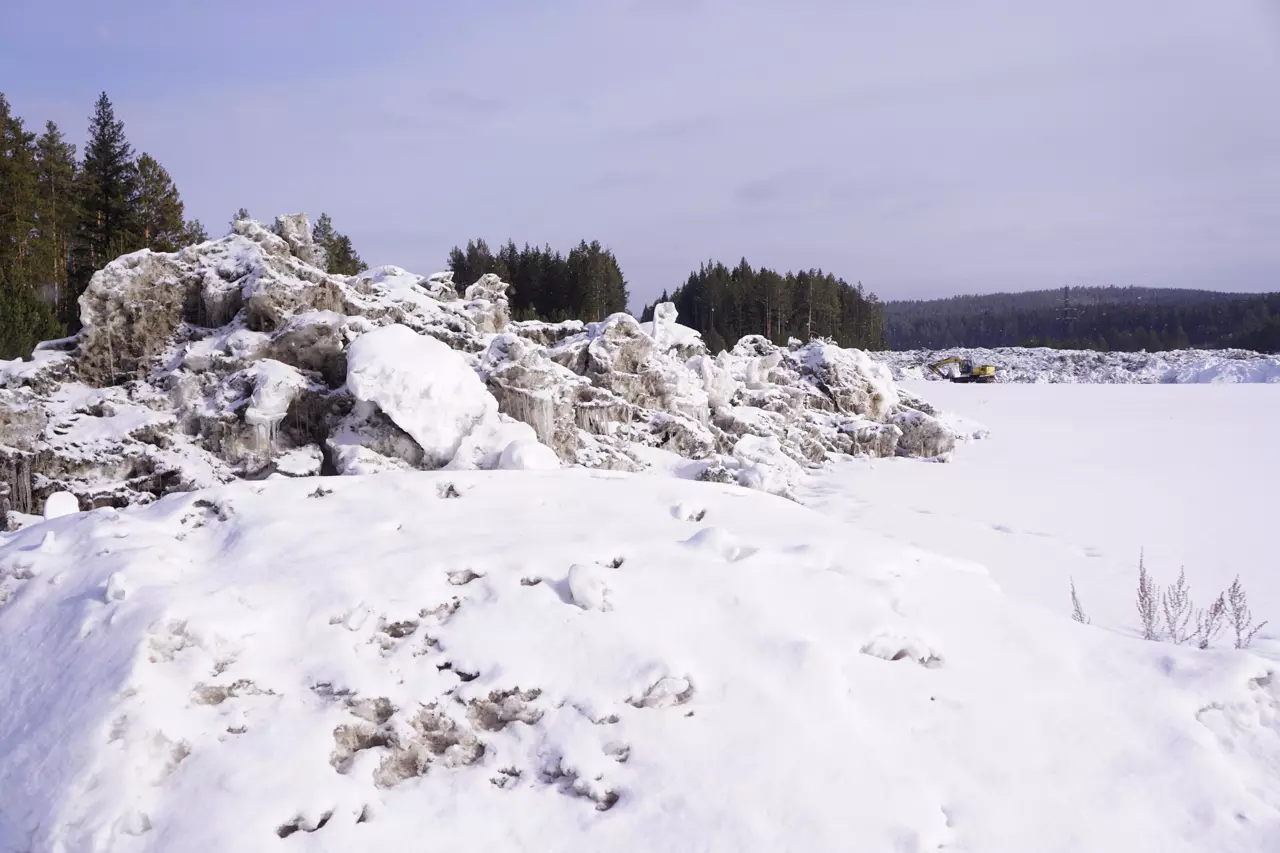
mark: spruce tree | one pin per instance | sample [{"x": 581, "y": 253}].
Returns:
[
  {"x": 323, "y": 231},
  {"x": 108, "y": 189},
  {"x": 158, "y": 208}
]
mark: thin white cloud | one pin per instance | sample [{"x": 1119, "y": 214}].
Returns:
[{"x": 919, "y": 147}]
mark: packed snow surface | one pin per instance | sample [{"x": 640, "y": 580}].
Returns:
[
  {"x": 1040, "y": 365},
  {"x": 587, "y": 660}
]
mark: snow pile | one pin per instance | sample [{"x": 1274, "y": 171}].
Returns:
[
  {"x": 375, "y": 664},
  {"x": 1042, "y": 365},
  {"x": 241, "y": 358}
]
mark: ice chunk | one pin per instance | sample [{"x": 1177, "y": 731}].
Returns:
[{"x": 428, "y": 389}]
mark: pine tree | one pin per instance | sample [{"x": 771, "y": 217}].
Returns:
[
  {"x": 193, "y": 232},
  {"x": 341, "y": 255},
  {"x": 108, "y": 189},
  {"x": 241, "y": 215},
  {"x": 18, "y": 196},
  {"x": 56, "y": 211},
  {"x": 343, "y": 259},
  {"x": 323, "y": 231},
  {"x": 158, "y": 208}
]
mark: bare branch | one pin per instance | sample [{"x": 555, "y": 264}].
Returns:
[
  {"x": 1240, "y": 616},
  {"x": 1209, "y": 623},
  {"x": 1177, "y": 608},
  {"x": 1148, "y": 602},
  {"x": 1077, "y": 612}
]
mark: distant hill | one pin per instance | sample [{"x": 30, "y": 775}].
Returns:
[{"x": 1100, "y": 318}]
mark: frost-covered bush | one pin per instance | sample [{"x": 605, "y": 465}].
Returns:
[{"x": 1171, "y": 614}]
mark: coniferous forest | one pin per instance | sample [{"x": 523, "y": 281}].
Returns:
[
  {"x": 1124, "y": 319},
  {"x": 727, "y": 304},
  {"x": 585, "y": 284}
]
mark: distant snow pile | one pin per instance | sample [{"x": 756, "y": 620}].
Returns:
[
  {"x": 470, "y": 661},
  {"x": 239, "y": 358},
  {"x": 1042, "y": 365}
]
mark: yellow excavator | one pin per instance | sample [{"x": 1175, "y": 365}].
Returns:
[{"x": 966, "y": 370}]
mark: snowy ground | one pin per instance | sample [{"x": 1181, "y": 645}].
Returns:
[
  {"x": 575, "y": 660},
  {"x": 1043, "y": 365},
  {"x": 1077, "y": 480}
]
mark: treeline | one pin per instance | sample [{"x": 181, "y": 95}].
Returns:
[
  {"x": 586, "y": 284},
  {"x": 727, "y": 304},
  {"x": 1114, "y": 318},
  {"x": 63, "y": 217}
]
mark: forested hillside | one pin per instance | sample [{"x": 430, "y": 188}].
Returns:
[
  {"x": 1102, "y": 318},
  {"x": 63, "y": 217},
  {"x": 726, "y": 304}
]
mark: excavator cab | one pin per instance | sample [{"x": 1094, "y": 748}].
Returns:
[{"x": 966, "y": 370}]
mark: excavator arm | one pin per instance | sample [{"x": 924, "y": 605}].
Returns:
[{"x": 937, "y": 366}]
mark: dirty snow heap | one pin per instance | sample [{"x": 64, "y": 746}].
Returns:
[{"x": 239, "y": 358}]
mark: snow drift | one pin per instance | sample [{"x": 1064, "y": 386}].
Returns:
[
  {"x": 483, "y": 661},
  {"x": 1042, "y": 365},
  {"x": 240, "y": 358}
]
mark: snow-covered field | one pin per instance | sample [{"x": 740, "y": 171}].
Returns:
[
  {"x": 572, "y": 660},
  {"x": 1042, "y": 365},
  {"x": 1079, "y": 480},
  {"x": 590, "y": 587}
]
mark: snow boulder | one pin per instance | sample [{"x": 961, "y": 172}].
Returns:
[
  {"x": 528, "y": 456},
  {"x": 59, "y": 504},
  {"x": 428, "y": 389}
]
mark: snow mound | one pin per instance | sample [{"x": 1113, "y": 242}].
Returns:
[
  {"x": 59, "y": 504},
  {"x": 240, "y": 358},
  {"x": 375, "y": 664},
  {"x": 1043, "y": 365},
  {"x": 528, "y": 456}
]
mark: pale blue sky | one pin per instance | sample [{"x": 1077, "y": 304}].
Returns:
[{"x": 920, "y": 146}]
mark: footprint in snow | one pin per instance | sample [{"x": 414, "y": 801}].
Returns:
[
  {"x": 896, "y": 646},
  {"x": 684, "y": 512},
  {"x": 587, "y": 587},
  {"x": 1002, "y": 528},
  {"x": 666, "y": 692}
]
